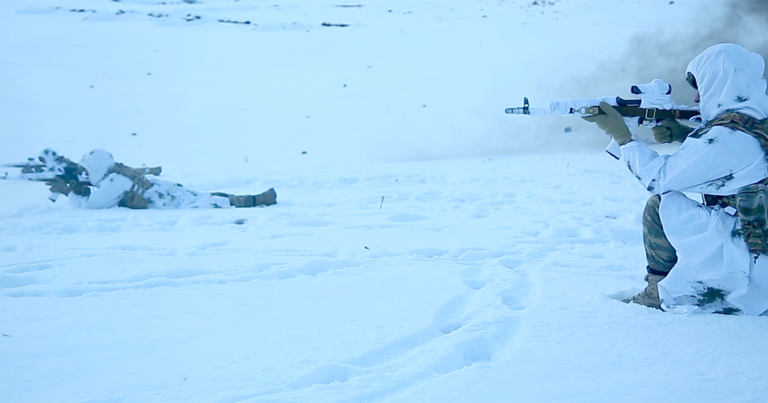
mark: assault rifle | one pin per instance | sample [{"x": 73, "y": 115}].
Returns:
[
  {"x": 60, "y": 173},
  {"x": 654, "y": 105}
]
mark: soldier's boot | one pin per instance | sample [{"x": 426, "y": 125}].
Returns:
[
  {"x": 752, "y": 205},
  {"x": 266, "y": 198},
  {"x": 650, "y": 295}
]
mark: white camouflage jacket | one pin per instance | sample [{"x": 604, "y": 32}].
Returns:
[
  {"x": 720, "y": 162},
  {"x": 723, "y": 160},
  {"x": 110, "y": 188}
]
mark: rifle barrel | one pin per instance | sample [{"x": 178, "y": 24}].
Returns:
[
  {"x": 24, "y": 165},
  {"x": 517, "y": 111}
]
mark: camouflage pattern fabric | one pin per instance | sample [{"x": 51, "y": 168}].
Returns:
[
  {"x": 58, "y": 185},
  {"x": 80, "y": 188},
  {"x": 134, "y": 198},
  {"x": 737, "y": 121},
  {"x": 752, "y": 207},
  {"x": 236, "y": 200},
  {"x": 136, "y": 175},
  {"x": 660, "y": 254},
  {"x": 267, "y": 198}
]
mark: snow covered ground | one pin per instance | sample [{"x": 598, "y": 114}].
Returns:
[{"x": 425, "y": 247}]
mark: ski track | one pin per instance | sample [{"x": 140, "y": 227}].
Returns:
[{"x": 466, "y": 330}]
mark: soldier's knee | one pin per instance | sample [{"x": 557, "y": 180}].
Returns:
[
  {"x": 651, "y": 213},
  {"x": 653, "y": 204}
]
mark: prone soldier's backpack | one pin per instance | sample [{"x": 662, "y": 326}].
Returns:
[{"x": 134, "y": 198}]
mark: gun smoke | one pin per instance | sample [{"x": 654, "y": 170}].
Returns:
[{"x": 665, "y": 53}]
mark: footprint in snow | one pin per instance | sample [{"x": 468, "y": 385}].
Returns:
[
  {"x": 310, "y": 223},
  {"x": 406, "y": 217}
]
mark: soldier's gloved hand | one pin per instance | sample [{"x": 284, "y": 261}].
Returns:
[
  {"x": 611, "y": 123},
  {"x": 669, "y": 130},
  {"x": 80, "y": 189},
  {"x": 58, "y": 185}
]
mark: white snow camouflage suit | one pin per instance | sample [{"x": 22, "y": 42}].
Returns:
[
  {"x": 721, "y": 162},
  {"x": 110, "y": 188}
]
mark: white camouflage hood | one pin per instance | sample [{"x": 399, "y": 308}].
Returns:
[
  {"x": 98, "y": 162},
  {"x": 730, "y": 78}
]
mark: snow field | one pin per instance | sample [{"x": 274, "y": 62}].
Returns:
[
  {"x": 425, "y": 248},
  {"x": 292, "y": 306}
]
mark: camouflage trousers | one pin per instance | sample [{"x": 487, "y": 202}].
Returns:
[{"x": 659, "y": 253}]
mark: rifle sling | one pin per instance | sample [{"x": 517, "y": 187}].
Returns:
[{"x": 656, "y": 114}]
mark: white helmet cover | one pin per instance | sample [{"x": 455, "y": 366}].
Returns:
[
  {"x": 730, "y": 79},
  {"x": 98, "y": 162}
]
